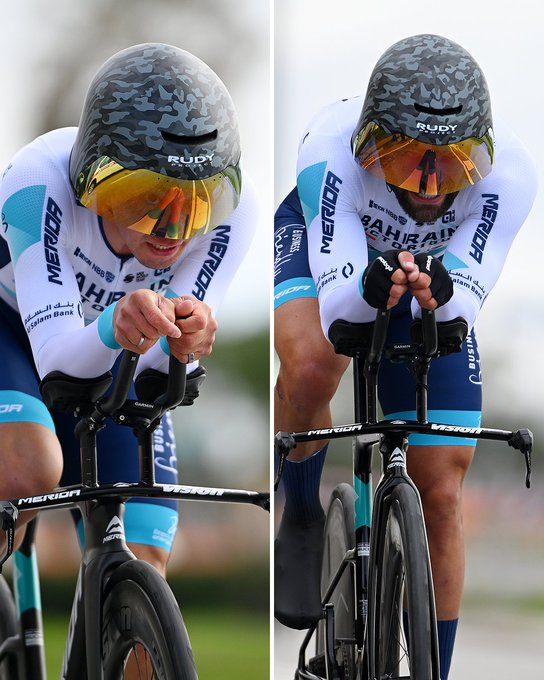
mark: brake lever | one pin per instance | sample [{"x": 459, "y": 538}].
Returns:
[
  {"x": 9, "y": 514},
  {"x": 283, "y": 445},
  {"x": 522, "y": 440}
]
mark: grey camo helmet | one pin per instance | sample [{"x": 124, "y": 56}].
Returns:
[
  {"x": 426, "y": 123},
  {"x": 426, "y": 82},
  {"x": 157, "y": 107}
]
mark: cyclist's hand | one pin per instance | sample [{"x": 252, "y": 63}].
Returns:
[
  {"x": 143, "y": 314},
  {"x": 433, "y": 287},
  {"x": 388, "y": 277},
  {"x": 197, "y": 325}
]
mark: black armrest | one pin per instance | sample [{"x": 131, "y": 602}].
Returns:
[
  {"x": 451, "y": 334},
  {"x": 351, "y": 338},
  {"x": 67, "y": 394},
  {"x": 151, "y": 384}
]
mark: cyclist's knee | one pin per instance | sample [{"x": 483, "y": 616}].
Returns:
[
  {"x": 309, "y": 381},
  {"x": 439, "y": 472},
  {"x": 442, "y": 502},
  {"x": 442, "y": 510},
  {"x": 157, "y": 557},
  {"x": 31, "y": 461}
]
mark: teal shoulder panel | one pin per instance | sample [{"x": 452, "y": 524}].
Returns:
[
  {"x": 309, "y": 183},
  {"x": 452, "y": 262},
  {"x": 23, "y": 213}
]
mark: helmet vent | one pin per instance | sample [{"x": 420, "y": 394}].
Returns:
[
  {"x": 452, "y": 111},
  {"x": 189, "y": 140}
]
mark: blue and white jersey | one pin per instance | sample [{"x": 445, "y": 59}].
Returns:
[
  {"x": 352, "y": 217},
  {"x": 59, "y": 271}
]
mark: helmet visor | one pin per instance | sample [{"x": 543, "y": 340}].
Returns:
[
  {"x": 423, "y": 168},
  {"x": 151, "y": 203}
]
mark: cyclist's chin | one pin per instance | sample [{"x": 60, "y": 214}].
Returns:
[
  {"x": 158, "y": 254},
  {"x": 421, "y": 209}
]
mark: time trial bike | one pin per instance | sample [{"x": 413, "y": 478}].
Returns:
[
  {"x": 379, "y": 619},
  {"x": 125, "y": 621}
]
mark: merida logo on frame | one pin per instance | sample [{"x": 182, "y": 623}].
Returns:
[{"x": 55, "y": 496}]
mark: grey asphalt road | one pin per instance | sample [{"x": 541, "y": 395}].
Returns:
[
  {"x": 490, "y": 646},
  {"x": 501, "y": 630}
]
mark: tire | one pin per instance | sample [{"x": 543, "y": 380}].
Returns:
[
  {"x": 8, "y": 628},
  {"x": 143, "y": 626},
  {"x": 401, "y": 577},
  {"x": 339, "y": 537}
]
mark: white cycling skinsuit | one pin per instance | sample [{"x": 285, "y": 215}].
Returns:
[
  {"x": 339, "y": 198},
  {"x": 64, "y": 276},
  {"x": 59, "y": 282}
]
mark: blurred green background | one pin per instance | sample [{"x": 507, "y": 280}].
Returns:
[
  {"x": 227, "y": 618},
  {"x": 226, "y": 644}
]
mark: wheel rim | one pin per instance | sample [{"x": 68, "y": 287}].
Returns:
[
  {"x": 395, "y": 652},
  {"x": 135, "y": 662}
]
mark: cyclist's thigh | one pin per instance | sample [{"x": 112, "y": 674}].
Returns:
[
  {"x": 27, "y": 432},
  {"x": 298, "y": 336},
  {"x": 19, "y": 382},
  {"x": 455, "y": 386}
]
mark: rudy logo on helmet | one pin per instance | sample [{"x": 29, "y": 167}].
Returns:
[
  {"x": 147, "y": 105},
  {"x": 426, "y": 124}
]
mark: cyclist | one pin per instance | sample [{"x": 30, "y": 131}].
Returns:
[
  {"x": 121, "y": 233},
  {"x": 394, "y": 191}
]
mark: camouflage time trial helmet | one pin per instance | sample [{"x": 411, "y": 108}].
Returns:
[
  {"x": 426, "y": 122},
  {"x": 158, "y": 148}
]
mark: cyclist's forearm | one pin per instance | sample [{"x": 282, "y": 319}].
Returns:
[{"x": 83, "y": 353}]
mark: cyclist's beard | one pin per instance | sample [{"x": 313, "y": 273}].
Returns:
[{"x": 422, "y": 213}]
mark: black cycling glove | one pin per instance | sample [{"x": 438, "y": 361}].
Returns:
[
  {"x": 441, "y": 284},
  {"x": 377, "y": 279}
]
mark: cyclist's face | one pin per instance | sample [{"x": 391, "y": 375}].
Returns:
[
  {"x": 151, "y": 251},
  {"x": 423, "y": 209}
]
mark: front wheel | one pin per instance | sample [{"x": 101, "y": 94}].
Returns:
[
  {"x": 402, "y": 638},
  {"x": 339, "y": 537},
  {"x": 143, "y": 632}
]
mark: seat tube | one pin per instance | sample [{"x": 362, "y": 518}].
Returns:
[{"x": 362, "y": 482}]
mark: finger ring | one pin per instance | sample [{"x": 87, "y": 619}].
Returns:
[
  {"x": 190, "y": 357},
  {"x": 141, "y": 341}
]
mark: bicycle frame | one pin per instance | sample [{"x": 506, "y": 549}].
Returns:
[
  {"x": 102, "y": 510},
  {"x": 365, "y": 432}
]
